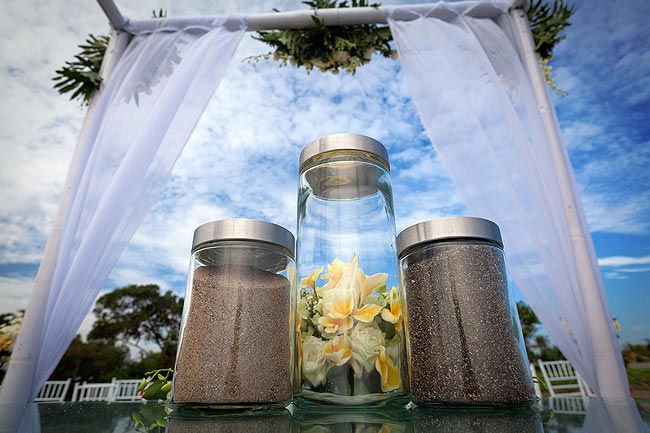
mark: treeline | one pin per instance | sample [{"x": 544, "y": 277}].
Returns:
[
  {"x": 132, "y": 320},
  {"x": 136, "y": 330}
]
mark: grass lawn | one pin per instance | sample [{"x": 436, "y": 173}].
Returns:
[{"x": 639, "y": 377}]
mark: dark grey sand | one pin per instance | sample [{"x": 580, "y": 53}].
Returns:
[
  {"x": 464, "y": 343},
  {"x": 235, "y": 345}
]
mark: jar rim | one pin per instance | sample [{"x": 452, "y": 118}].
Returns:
[
  {"x": 336, "y": 142},
  {"x": 241, "y": 229},
  {"x": 460, "y": 227}
]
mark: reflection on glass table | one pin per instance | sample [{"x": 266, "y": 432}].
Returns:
[{"x": 556, "y": 416}]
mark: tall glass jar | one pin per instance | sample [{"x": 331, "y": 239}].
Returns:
[
  {"x": 349, "y": 322},
  {"x": 235, "y": 347},
  {"x": 465, "y": 340}
]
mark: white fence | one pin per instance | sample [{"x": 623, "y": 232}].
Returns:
[{"x": 118, "y": 390}]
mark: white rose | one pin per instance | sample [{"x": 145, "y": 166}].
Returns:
[
  {"x": 314, "y": 363},
  {"x": 365, "y": 346}
]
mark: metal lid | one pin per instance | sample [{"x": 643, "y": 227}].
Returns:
[
  {"x": 344, "y": 142},
  {"x": 448, "y": 228},
  {"x": 243, "y": 229}
]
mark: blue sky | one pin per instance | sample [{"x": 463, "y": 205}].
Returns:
[{"x": 242, "y": 159}]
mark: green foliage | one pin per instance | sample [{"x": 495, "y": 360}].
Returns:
[
  {"x": 540, "y": 380},
  {"x": 547, "y": 23},
  {"x": 633, "y": 353},
  {"x": 328, "y": 48},
  {"x": 639, "y": 377},
  {"x": 152, "y": 361},
  {"x": 81, "y": 75},
  {"x": 325, "y": 48},
  {"x": 529, "y": 325},
  {"x": 157, "y": 384},
  {"x": 536, "y": 345},
  {"x": 150, "y": 418},
  {"x": 139, "y": 314},
  {"x": 95, "y": 360}
]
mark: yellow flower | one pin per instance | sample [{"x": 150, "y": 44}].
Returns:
[
  {"x": 394, "y": 314},
  {"x": 343, "y": 300},
  {"x": 366, "y": 313},
  {"x": 334, "y": 326},
  {"x": 337, "y": 350},
  {"x": 338, "y": 303},
  {"x": 389, "y": 374},
  {"x": 349, "y": 276},
  {"x": 334, "y": 273},
  {"x": 310, "y": 279},
  {"x": 5, "y": 340},
  {"x": 368, "y": 284}
]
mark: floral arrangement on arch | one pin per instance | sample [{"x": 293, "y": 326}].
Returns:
[
  {"x": 8, "y": 336},
  {"x": 352, "y": 321}
]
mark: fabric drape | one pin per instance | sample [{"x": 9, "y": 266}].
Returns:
[
  {"x": 145, "y": 114},
  {"x": 480, "y": 112}
]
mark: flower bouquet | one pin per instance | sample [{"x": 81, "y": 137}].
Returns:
[{"x": 350, "y": 332}]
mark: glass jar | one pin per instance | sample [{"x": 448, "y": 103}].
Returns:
[
  {"x": 349, "y": 323},
  {"x": 465, "y": 339},
  {"x": 235, "y": 346}
]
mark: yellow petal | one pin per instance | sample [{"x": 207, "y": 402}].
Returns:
[
  {"x": 333, "y": 326},
  {"x": 334, "y": 272},
  {"x": 349, "y": 278},
  {"x": 367, "y": 313},
  {"x": 338, "y": 303},
  {"x": 369, "y": 284},
  {"x": 338, "y": 351},
  {"x": 389, "y": 374},
  {"x": 388, "y": 316},
  {"x": 310, "y": 279}
]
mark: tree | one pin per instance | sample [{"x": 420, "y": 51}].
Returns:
[
  {"x": 92, "y": 360},
  {"x": 536, "y": 345},
  {"x": 529, "y": 325},
  {"x": 136, "y": 315}
]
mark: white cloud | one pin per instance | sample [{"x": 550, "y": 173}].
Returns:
[
  {"x": 609, "y": 213},
  {"x": 624, "y": 261},
  {"x": 15, "y": 293}
]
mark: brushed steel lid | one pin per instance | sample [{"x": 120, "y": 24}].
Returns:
[
  {"x": 448, "y": 228},
  {"x": 334, "y": 142},
  {"x": 244, "y": 230}
]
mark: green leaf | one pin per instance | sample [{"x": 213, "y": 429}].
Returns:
[{"x": 153, "y": 391}]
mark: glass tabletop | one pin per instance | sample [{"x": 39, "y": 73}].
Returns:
[{"x": 561, "y": 414}]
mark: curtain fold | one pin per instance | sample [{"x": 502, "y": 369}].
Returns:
[
  {"x": 479, "y": 110},
  {"x": 145, "y": 114}
]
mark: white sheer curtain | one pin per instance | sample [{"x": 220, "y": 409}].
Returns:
[
  {"x": 480, "y": 112},
  {"x": 141, "y": 122}
]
